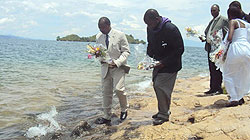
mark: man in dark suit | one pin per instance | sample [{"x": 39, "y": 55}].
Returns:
[
  {"x": 218, "y": 22},
  {"x": 165, "y": 44}
]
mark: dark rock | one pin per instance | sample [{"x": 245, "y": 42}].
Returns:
[
  {"x": 195, "y": 138},
  {"x": 56, "y": 136},
  {"x": 191, "y": 119},
  {"x": 78, "y": 130}
]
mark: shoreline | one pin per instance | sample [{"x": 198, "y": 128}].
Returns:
[{"x": 193, "y": 116}]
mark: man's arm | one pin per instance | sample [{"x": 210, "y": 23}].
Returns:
[
  {"x": 225, "y": 27},
  {"x": 149, "y": 47}
]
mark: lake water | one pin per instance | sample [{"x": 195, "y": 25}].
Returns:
[{"x": 37, "y": 77}]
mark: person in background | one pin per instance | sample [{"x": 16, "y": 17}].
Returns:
[
  {"x": 244, "y": 16},
  {"x": 113, "y": 73},
  {"x": 165, "y": 44},
  {"x": 236, "y": 69},
  {"x": 217, "y": 23}
]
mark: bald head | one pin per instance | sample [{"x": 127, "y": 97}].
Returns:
[
  {"x": 104, "y": 20},
  {"x": 215, "y": 10},
  {"x": 152, "y": 18},
  {"x": 104, "y": 25},
  {"x": 216, "y": 5},
  {"x": 150, "y": 14}
]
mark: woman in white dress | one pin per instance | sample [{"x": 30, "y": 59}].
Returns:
[{"x": 236, "y": 69}]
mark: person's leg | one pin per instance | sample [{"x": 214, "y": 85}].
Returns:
[
  {"x": 107, "y": 87},
  {"x": 210, "y": 65},
  {"x": 215, "y": 77},
  {"x": 163, "y": 85},
  {"x": 119, "y": 88}
]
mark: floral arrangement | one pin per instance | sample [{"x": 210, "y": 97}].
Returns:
[
  {"x": 97, "y": 51},
  {"x": 147, "y": 63},
  {"x": 218, "y": 48},
  {"x": 215, "y": 39},
  {"x": 193, "y": 32}
]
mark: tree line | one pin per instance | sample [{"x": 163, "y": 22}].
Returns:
[{"x": 74, "y": 37}]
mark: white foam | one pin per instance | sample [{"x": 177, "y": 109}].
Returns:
[
  {"x": 43, "y": 129},
  {"x": 203, "y": 74},
  {"x": 142, "y": 86}
]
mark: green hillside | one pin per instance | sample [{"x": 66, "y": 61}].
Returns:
[{"x": 74, "y": 37}]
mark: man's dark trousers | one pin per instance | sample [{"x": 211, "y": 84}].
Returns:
[{"x": 215, "y": 76}]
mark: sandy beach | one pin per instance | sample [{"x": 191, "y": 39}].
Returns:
[{"x": 194, "y": 117}]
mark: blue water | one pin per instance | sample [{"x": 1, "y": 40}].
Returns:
[{"x": 38, "y": 74}]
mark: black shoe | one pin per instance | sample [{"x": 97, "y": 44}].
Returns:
[
  {"x": 159, "y": 121},
  {"x": 123, "y": 115},
  {"x": 220, "y": 91},
  {"x": 241, "y": 101},
  {"x": 155, "y": 116},
  {"x": 214, "y": 92},
  {"x": 233, "y": 103},
  {"x": 209, "y": 92},
  {"x": 102, "y": 121}
]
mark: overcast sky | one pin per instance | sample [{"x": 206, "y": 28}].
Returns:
[{"x": 47, "y": 19}]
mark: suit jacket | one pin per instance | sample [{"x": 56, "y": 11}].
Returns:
[
  {"x": 118, "y": 49},
  {"x": 219, "y": 23}
]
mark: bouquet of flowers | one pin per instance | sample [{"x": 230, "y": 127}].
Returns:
[
  {"x": 97, "y": 51},
  {"x": 218, "y": 48},
  {"x": 147, "y": 63},
  {"x": 215, "y": 39},
  {"x": 193, "y": 32}
]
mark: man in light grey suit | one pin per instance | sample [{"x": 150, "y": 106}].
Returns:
[
  {"x": 218, "y": 22},
  {"x": 113, "y": 72}
]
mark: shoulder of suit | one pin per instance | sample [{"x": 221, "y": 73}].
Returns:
[
  {"x": 224, "y": 18},
  {"x": 98, "y": 35},
  {"x": 117, "y": 31}
]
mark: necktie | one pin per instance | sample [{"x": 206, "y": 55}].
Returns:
[{"x": 107, "y": 40}]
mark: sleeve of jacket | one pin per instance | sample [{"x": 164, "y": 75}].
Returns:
[
  {"x": 149, "y": 47},
  {"x": 225, "y": 27},
  {"x": 176, "y": 43},
  {"x": 125, "y": 51},
  {"x": 98, "y": 38}
]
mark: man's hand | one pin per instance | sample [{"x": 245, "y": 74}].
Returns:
[
  {"x": 112, "y": 64},
  {"x": 159, "y": 65},
  {"x": 202, "y": 38}
]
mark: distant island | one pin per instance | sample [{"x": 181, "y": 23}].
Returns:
[
  {"x": 74, "y": 37},
  {"x": 11, "y": 37}
]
